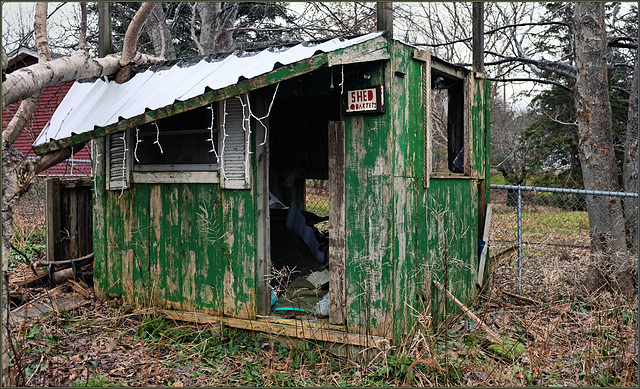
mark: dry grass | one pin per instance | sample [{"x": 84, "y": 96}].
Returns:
[{"x": 574, "y": 335}]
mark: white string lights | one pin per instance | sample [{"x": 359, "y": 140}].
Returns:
[
  {"x": 211, "y": 139},
  {"x": 96, "y": 156},
  {"x": 135, "y": 149},
  {"x": 224, "y": 137},
  {"x": 260, "y": 120},
  {"x": 246, "y": 127},
  {"x": 342, "y": 82},
  {"x": 157, "y": 142},
  {"x": 72, "y": 160},
  {"x": 124, "y": 164}
]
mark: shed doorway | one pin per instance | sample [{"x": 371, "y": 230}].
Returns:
[{"x": 302, "y": 190}]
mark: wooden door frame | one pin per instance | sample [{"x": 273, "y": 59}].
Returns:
[{"x": 337, "y": 231}]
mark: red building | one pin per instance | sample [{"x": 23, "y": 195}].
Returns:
[{"x": 80, "y": 163}]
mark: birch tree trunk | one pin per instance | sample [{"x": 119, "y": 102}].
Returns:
[
  {"x": 129, "y": 46},
  {"x": 606, "y": 221},
  {"x": 14, "y": 184},
  {"x": 25, "y": 82}
]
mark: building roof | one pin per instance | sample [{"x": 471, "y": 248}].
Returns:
[{"x": 96, "y": 107}]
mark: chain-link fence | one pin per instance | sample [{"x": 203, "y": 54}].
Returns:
[
  {"x": 530, "y": 220},
  {"x": 317, "y": 199},
  {"x": 526, "y": 221}
]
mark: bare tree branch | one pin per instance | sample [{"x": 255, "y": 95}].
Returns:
[
  {"x": 557, "y": 67},
  {"x": 619, "y": 42},
  {"x": 540, "y": 81},
  {"x": 131, "y": 40},
  {"x": 40, "y": 32},
  {"x": 193, "y": 29},
  {"x": 28, "y": 106}
]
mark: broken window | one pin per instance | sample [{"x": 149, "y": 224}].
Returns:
[
  {"x": 205, "y": 145},
  {"x": 448, "y": 123},
  {"x": 178, "y": 143}
]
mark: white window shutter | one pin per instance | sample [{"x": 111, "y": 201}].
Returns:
[
  {"x": 235, "y": 166},
  {"x": 118, "y": 161}
]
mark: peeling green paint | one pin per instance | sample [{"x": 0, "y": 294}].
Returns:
[{"x": 194, "y": 246}]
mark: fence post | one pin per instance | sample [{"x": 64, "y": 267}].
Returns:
[{"x": 519, "y": 239}]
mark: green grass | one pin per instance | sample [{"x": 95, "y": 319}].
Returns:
[{"x": 556, "y": 223}]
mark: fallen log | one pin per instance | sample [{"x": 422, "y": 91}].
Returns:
[
  {"x": 70, "y": 273},
  {"x": 41, "y": 279},
  {"x": 87, "y": 257}
]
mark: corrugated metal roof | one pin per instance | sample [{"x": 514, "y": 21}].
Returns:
[{"x": 102, "y": 102}]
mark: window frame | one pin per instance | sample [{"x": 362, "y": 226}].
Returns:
[
  {"x": 182, "y": 173},
  {"x": 431, "y": 66}
]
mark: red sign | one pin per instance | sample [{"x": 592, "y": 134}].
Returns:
[{"x": 365, "y": 100}]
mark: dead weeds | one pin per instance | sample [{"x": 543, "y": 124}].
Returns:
[{"x": 573, "y": 336}]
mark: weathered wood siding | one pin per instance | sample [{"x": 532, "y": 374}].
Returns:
[
  {"x": 153, "y": 243},
  {"x": 399, "y": 235},
  {"x": 383, "y": 164},
  {"x": 68, "y": 217},
  {"x": 184, "y": 246}
]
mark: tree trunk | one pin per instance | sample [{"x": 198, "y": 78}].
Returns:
[
  {"x": 12, "y": 189},
  {"x": 27, "y": 81},
  {"x": 209, "y": 12},
  {"x": 82, "y": 39},
  {"x": 216, "y": 20},
  {"x": 28, "y": 106},
  {"x": 130, "y": 44},
  {"x": 16, "y": 174},
  {"x": 630, "y": 166},
  {"x": 606, "y": 222},
  {"x": 104, "y": 29},
  {"x": 160, "y": 35}
]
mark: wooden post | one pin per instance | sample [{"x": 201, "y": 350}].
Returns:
[
  {"x": 384, "y": 13},
  {"x": 104, "y": 27},
  {"x": 478, "y": 37},
  {"x": 263, "y": 223},
  {"x": 52, "y": 216},
  {"x": 337, "y": 231}
]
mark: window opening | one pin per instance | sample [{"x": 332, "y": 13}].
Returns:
[
  {"x": 183, "y": 142},
  {"x": 448, "y": 125},
  {"x": 180, "y": 142}
]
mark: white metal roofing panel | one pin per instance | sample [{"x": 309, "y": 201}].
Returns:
[{"x": 100, "y": 103}]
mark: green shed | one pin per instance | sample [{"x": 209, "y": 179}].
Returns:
[{"x": 189, "y": 155}]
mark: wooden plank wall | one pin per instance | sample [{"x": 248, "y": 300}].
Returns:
[
  {"x": 383, "y": 165},
  {"x": 399, "y": 234},
  {"x": 180, "y": 246},
  {"x": 195, "y": 246},
  {"x": 69, "y": 218}
]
